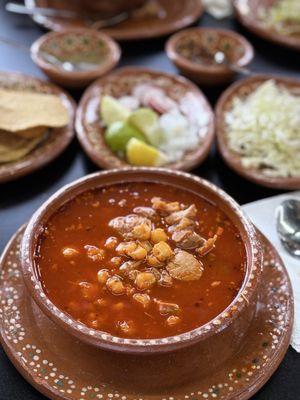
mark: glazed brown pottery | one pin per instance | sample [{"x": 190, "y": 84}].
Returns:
[
  {"x": 247, "y": 12},
  {"x": 169, "y": 17},
  {"x": 75, "y": 46},
  {"x": 213, "y": 343},
  {"x": 189, "y": 49},
  {"x": 242, "y": 89},
  {"x": 48, "y": 357},
  {"x": 109, "y": 8},
  {"x": 55, "y": 143},
  {"x": 90, "y": 131}
]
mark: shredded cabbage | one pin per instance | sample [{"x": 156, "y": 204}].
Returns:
[
  {"x": 264, "y": 129},
  {"x": 284, "y": 16}
]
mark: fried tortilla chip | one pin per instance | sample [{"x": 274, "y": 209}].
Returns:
[
  {"x": 32, "y": 133},
  {"x": 14, "y": 147},
  {"x": 20, "y": 111}
]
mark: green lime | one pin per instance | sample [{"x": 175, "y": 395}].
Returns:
[
  {"x": 119, "y": 133},
  {"x": 146, "y": 120},
  {"x": 111, "y": 110}
]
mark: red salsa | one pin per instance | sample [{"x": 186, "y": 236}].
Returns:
[{"x": 141, "y": 260}]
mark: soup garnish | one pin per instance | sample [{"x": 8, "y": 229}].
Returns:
[{"x": 123, "y": 260}]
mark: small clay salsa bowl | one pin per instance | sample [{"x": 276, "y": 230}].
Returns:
[
  {"x": 213, "y": 342},
  {"x": 121, "y": 82},
  {"x": 75, "y": 57},
  {"x": 192, "y": 51}
]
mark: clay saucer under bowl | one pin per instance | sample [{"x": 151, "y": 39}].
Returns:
[
  {"x": 242, "y": 89},
  {"x": 183, "y": 46},
  {"x": 120, "y": 82},
  {"x": 173, "y": 15},
  {"x": 247, "y": 12},
  {"x": 58, "y": 138},
  {"x": 67, "y": 46},
  {"x": 48, "y": 357}
]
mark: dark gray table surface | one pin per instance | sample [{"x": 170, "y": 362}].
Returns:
[{"x": 19, "y": 199}]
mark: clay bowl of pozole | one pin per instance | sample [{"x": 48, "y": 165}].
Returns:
[{"x": 146, "y": 261}]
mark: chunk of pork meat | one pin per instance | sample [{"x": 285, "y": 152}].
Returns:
[
  {"x": 146, "y": 212},
  {"x": 177, "y": 216},
  {"x": 167, "y": 308},
  {"x": 183, "y": 224},
  {"x": 126, "y": 226},
  {"x": 207, "y": 246},
  {"x": 164, "y": 207},
  {"x": 187, "y": 239},
  {"x": 185, "y": 267}
]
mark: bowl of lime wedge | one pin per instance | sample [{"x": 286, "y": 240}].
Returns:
[{"x": 140, "y": 117}]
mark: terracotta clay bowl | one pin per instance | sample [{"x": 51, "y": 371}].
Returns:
[
  {"x": 248, "y": 14},
  {"x": 213, "y": 342},
  {"x": 58, "y": 138},
  {"x": 184, "y": 47},
  {"x": 90, "y": 131},
  {"x": 170, "y": 17},
  {"x": 107, "y": 7},
  {"x": 73, "y": 46},
  {"x": 47, "y": 356},
  {"x": 242, "y": 89}
]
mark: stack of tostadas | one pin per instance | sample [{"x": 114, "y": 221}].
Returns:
[{"x": 25, "y": 121}]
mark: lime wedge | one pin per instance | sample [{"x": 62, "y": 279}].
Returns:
[
  {"x": 111, "y": 110},
  {"x": 146, "y": 120},
  {"x": 119, "y": 133},
  {"x": 139, "y": 153}
]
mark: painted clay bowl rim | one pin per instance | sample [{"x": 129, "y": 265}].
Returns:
[
  {"x": 104, "y": 340},
  {"x": 254, "y": 25},
  {"x": 214, "y": 69},
  {"x": 233, "y": 159},
  {"x": 192, "y": 11},
  {"x": 19, "y": 168},
  {"x": 107, "y": 159},
  {"x": 111, "y": 58}
]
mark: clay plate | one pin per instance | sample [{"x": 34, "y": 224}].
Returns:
[
  {"x": 242, "y": 89},
  {"x": 181, "y": 47},
  {"x": 247, "y": 14},
  {"x": 58, "y": 138},
  {"x": 178, "y": 14},
  {"x": 48, "y": 357},
  {"x": 70, "y": 43},
  {"x": 88, "y": 122}
]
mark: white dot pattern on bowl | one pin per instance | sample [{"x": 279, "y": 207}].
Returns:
[{"x": 44, "y": 366}]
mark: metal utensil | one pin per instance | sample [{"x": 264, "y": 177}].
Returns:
[
  {"x": 47, "y": 12},
  {"x": 288, "y": 225},
  {"x": 221, "y": 59}
]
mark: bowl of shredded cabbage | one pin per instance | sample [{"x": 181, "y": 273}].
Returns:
[
  {"x": 258, "y": 130},
  {"x": 274, "y": 20}
]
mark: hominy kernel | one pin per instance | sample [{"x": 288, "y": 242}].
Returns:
[
  {"x": 69, "y": 252},
  {"x": 158, "y": 235},
  {"x": 144, "y": 280},
  {"x": 162, "y": 251},
  {"x": 111, "y": 243},
  {"x": 142, "y": 298},
  {"x": 173, "y": 320},
  {"x": 139, "y": 253},
  {"x": 115, "y": 285},
  {"x": 102, "y": 276}
]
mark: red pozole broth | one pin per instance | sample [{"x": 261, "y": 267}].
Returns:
[{"x": 124, "y": 261}]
